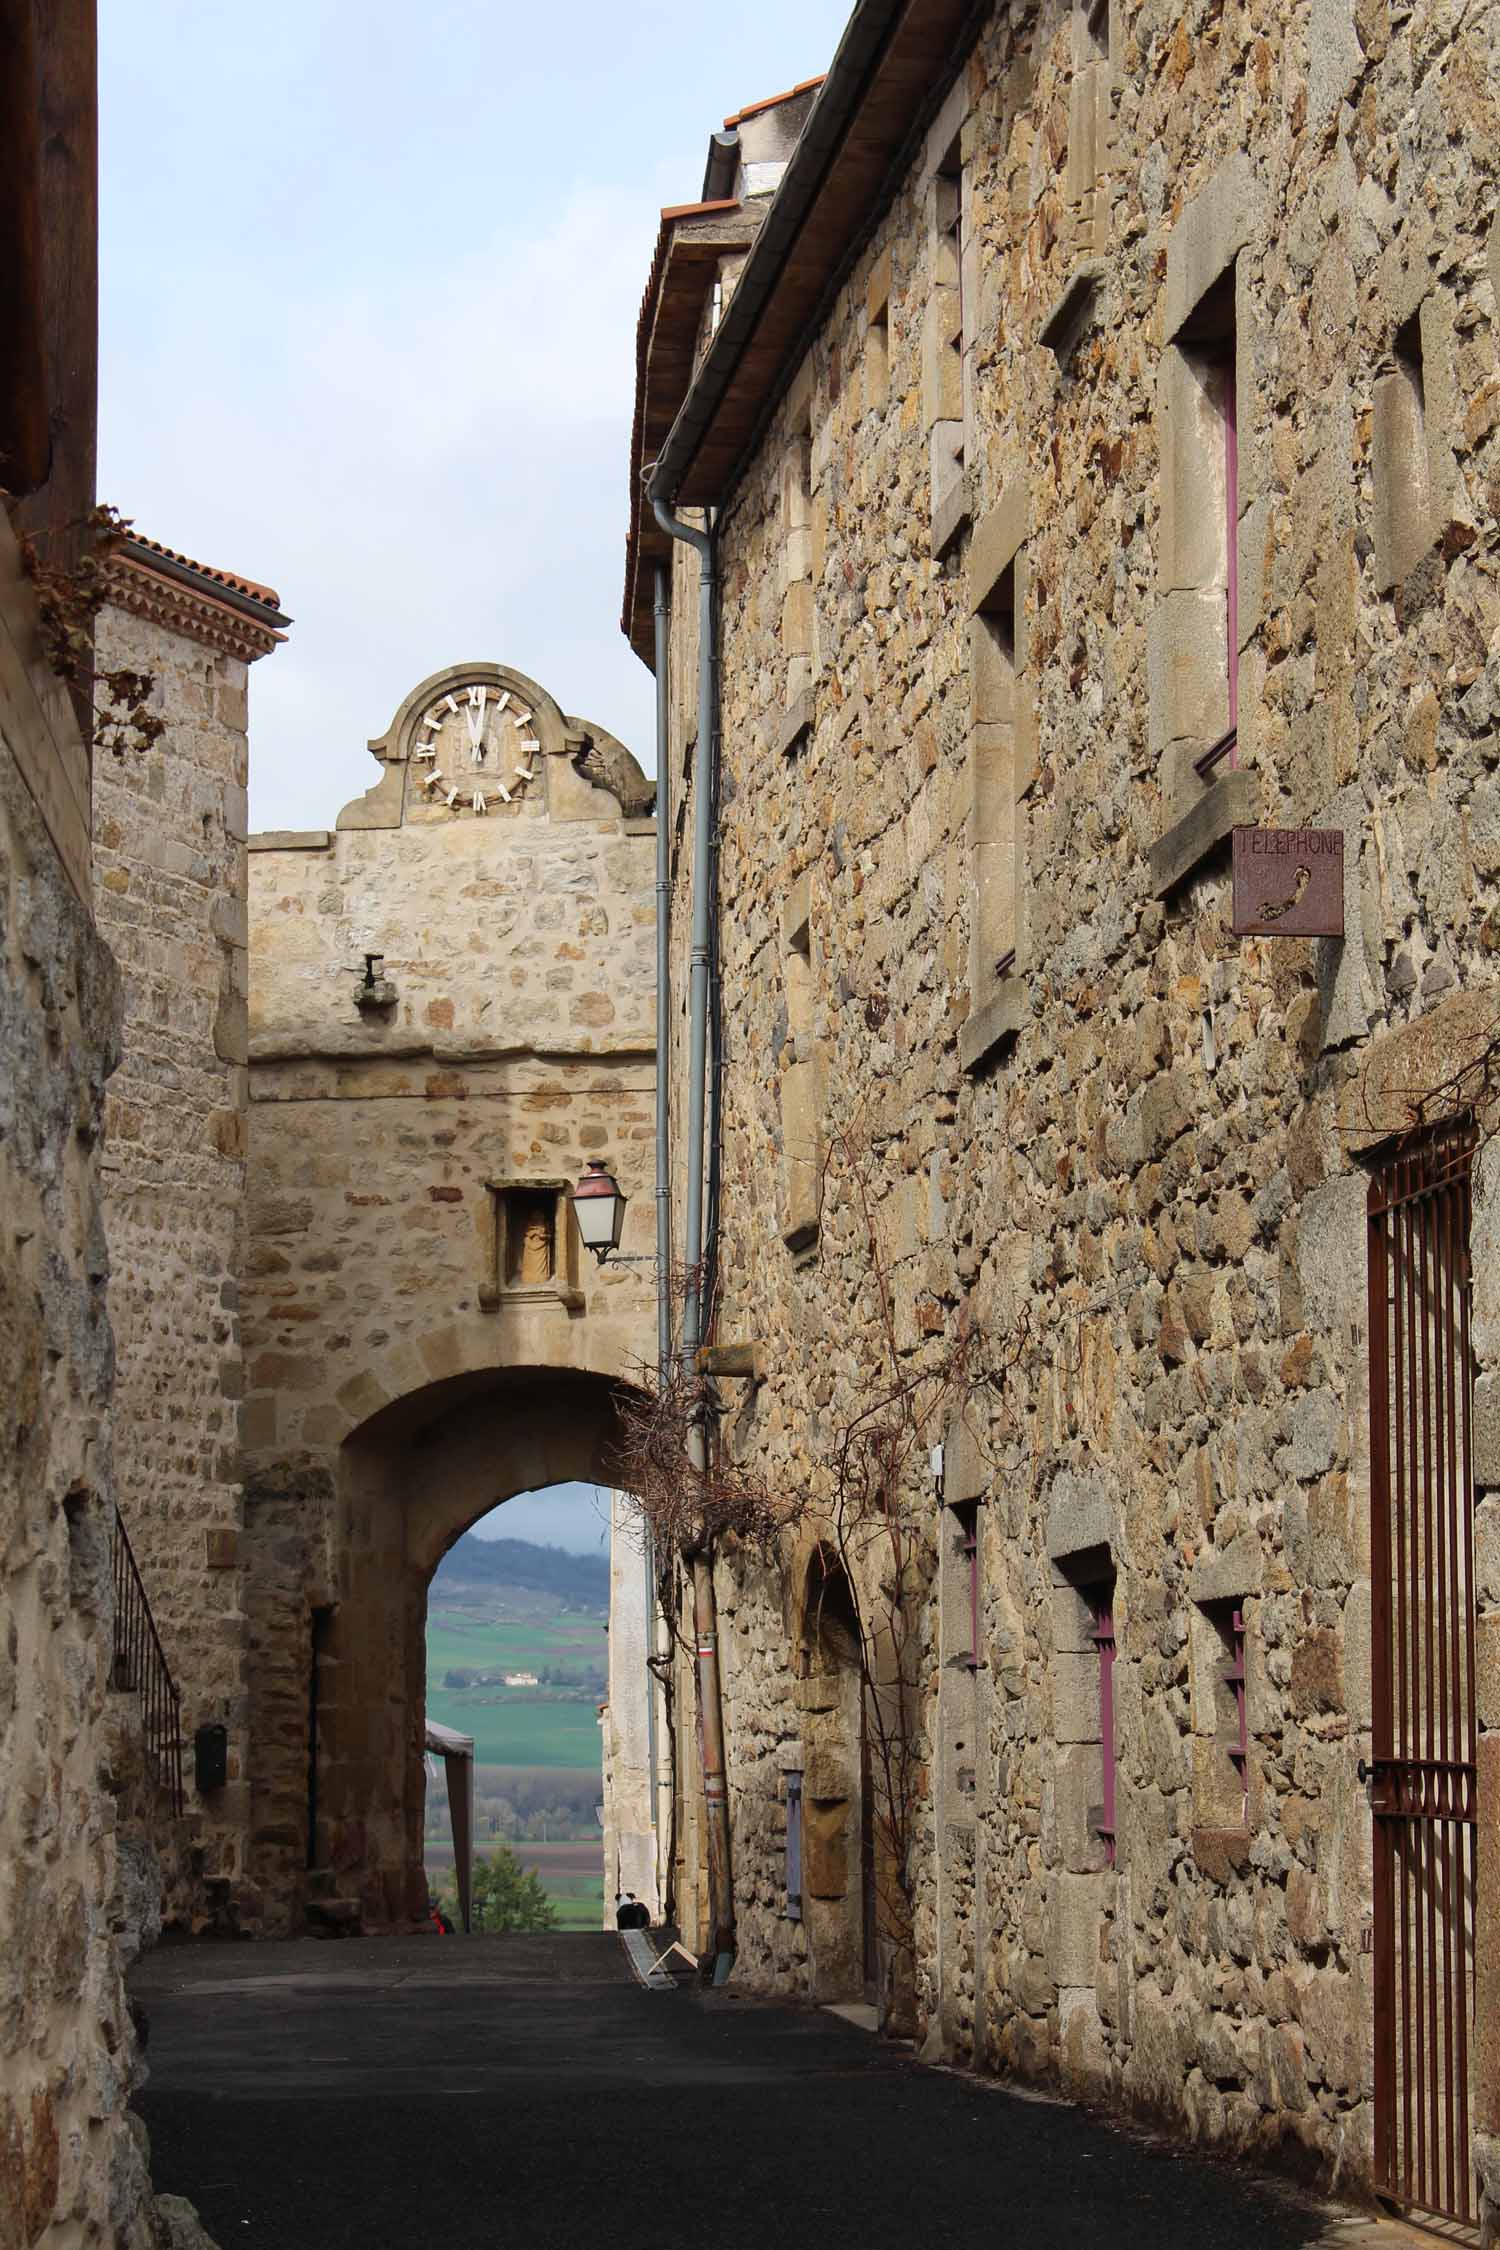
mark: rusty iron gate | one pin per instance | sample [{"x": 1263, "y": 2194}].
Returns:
[{"x": 1422, "y": 1771}]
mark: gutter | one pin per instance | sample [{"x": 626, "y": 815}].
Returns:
[
  {"x": 229, "y": 597},
  {"x": 721, "y": 1945},
  {"x": 843, "y": 90}
]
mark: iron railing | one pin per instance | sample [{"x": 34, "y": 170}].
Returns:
[{"x": 139, "y": 1667}]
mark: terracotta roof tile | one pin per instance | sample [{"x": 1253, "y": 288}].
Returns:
[
  {"x": 772, "y": 101},
  {"x": 227, "y": 578}
]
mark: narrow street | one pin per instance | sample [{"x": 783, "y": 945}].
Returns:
[{"x": 526, "y": 2091}]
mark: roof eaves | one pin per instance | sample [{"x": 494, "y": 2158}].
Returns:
[
  {"x": 643, "y": 536},
  {"x": 933, "y": 38},
  {"x": 262, "y": 603}
]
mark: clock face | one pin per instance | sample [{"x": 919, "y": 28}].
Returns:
[{"x": 475, "y": 747}]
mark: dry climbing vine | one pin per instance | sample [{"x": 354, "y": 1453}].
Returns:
[
  {"x": 865, "y": 1498},
  {"x": 68, "y": 604}
]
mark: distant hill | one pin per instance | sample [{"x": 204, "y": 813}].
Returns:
[{"x": 580, "y": 1579}]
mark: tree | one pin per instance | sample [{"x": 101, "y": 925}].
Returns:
[{"x": 506, "y": 1896}]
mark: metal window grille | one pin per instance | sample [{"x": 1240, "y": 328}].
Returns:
[{"x": 1422, "y": 1771}]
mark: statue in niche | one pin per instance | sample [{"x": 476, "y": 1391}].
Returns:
[{"x": 530, "y": 1261}]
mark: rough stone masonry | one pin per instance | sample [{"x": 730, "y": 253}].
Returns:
[{"x": 1130, "y": 476}]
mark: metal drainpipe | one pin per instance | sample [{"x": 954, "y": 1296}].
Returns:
[
  {"x": 658, "y": 1631},
  {"x": 705, "y": 1607}
]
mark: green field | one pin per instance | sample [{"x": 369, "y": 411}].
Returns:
[
  {"x": 515, "y": 1726},
  {"x": 511, "y": 1728}
]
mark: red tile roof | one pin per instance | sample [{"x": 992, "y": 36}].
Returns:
[
  {"x": 772, "y": 101},
  {"x": 226, "y": 578}
]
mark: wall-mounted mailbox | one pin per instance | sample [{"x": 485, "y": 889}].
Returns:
[{"x": 210, "y": 1758}]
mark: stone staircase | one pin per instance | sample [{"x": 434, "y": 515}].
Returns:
[{"x": 328, "y": 1915}]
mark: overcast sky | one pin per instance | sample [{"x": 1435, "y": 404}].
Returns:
[
  {"x": 370, "y": 277},
  {"x": 575, "y": 1516}
]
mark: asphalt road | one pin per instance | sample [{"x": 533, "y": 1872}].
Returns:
[{"x": 383, "y": 2094}]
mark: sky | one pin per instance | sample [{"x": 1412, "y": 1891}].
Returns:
[
  {"x": 369, "y": 282},
  {"x": 575, "y": 1516}
]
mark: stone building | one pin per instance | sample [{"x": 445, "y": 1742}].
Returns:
[
  {"x": 451, "y": 1012},
  {"x": 1099, "y": 435},
  {"x": 170, "y": 889},
  {"x": 78, "y": 1767}
]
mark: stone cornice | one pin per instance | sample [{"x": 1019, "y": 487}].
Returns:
[{"x": 138, "y": 586}]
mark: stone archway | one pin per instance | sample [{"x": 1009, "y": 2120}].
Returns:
[{"x": 412, "y": 1479}]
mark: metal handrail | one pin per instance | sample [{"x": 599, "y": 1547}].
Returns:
[{"x": 139, "y": 1667}]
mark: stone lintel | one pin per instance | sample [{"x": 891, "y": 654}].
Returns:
[
  {"x": 797, "y": 727},
  {"x": 1002, "y": 1018},
  {"x": 996, "y": 541},
  {"x": 1232, "y": 801},
  {"x": 290, "y": 840},
  {"x": 949, "y": 516},
  {"x": 1221, "y": 219},
  {"x": 1075, "y": 308},
  {"x": 1224, "y": 1575}
]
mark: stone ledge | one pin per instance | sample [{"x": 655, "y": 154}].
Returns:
[
  {"x": 987, "y": 1030},
  {"x": 1071, "y": 314},
  {"x": 1233, "y": 801},
  {"x": 291, "y": 840},
  {"x": 638, "y": 824},
  {"x": 949, "y": 517},
  {"x": 797, "y": 727}
]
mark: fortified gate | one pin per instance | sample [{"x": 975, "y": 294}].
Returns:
[{"x": 451, "y": 1012}]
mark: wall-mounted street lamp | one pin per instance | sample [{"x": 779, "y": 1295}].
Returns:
[{"x": 599, "y": 1208}]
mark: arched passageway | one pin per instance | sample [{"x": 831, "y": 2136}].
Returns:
[{"x": 409, "y": 1481}]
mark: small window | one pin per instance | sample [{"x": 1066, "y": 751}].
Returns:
[
  {"x": 950, "y": 273},
  {"x": 1231, "y": 1729},
  {"x": 1101, "y": 1603},
  {"x": 966, "y": 1549},
  {"x": 1210, "y": 345}
]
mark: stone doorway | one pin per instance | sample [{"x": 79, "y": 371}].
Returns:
[{"x": 838, "y": 1840}]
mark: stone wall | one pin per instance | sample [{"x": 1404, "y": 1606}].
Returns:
[
  {"x": 70, "y": 2168},
  {"x": 423, "y": 1336},
  {"x": 171, "y": 888},
  {"x": 978, "y": 977}
]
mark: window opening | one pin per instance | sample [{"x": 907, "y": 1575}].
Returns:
[
  {"x": 1101, "y": 1602},
  {"x": 997, "y": 620},
  {"x": 966, "y": 1520},
  {"x": 1231, "y": 1722},
  {"x": 794, "y": 1846},
  {"x": 1209, "y": 342},
  {"x": 950, "y": 275}
]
